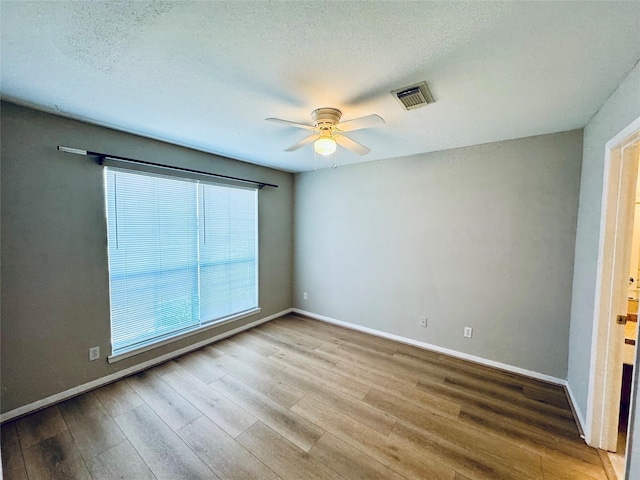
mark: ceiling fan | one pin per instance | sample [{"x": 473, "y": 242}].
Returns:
[{"x": 328, "y": 131}]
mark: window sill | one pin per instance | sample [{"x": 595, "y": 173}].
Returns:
[{"x": 145, "y": 348}]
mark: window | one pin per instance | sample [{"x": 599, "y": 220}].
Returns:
[{"x": 182, "y": 255}]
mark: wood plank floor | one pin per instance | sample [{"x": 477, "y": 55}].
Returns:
[{"x": 301, "y": 399}]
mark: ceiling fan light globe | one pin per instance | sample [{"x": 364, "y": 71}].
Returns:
[{"x": 324, "y": 146}]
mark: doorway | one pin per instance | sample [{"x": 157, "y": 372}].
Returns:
[
  {"x": 617, "y": 458},
  {"x": 614, "y": 260}
]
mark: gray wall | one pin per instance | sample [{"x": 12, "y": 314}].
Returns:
[
  {"x": 55, "y": 297},
  {"x": 622, "y": 108},
  {"x": 481, "y": 236}
]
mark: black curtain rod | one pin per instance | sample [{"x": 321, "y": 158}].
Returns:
[{"x": 102, "y": 156}]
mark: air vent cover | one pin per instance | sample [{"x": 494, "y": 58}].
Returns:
[{"x": 413, "y": 96}]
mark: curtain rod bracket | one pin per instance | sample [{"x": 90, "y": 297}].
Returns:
[{"x": 102, "y": 156}]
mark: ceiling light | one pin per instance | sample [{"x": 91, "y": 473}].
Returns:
[{"x": 325, "y": 145}]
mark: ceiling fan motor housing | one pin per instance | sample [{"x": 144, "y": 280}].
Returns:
[{"x": 325, "y": 118}]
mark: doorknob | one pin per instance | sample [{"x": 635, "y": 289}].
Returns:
[{"x": 622, "y": 320}]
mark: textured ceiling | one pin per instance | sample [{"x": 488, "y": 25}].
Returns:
[{"x": 207, "y": 74}]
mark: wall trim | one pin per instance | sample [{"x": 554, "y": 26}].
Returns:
[
  {"x": 80, "y": 389},
  {"x": 436, "y": 348},
  {"x": 577, "y": 414}
]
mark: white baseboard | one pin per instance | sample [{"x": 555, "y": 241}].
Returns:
[
  {"x": 72, "y": 392},
  {"x": 576, "y": 413},
  {"x": 435, "y": 348}
]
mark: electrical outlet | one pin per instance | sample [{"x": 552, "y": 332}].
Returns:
[
  {"x": 94, "y": 353},
  {"x": 468, "y": 332},
  {"x": 304, "y": 295},
  {"x": 423, "y": 322}
]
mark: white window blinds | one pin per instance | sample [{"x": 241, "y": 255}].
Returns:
[{"x": 182, "y": 254}]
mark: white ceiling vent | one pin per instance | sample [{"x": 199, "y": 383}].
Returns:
[{"x": 413, "y": 96}]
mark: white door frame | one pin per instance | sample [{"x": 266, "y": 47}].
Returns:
[{"x": 616, "y": 228}]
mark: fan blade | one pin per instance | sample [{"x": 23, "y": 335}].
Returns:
[
  {"x": 301, "y": 143},
  {"x": 358, "y": 123},
  {"x": 291, "y": 124},
  {"x": 352, "y": 145}
]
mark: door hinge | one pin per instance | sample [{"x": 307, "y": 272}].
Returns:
[{"x": 622, "y": 320}]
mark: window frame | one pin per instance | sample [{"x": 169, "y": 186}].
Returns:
[{"x": 203, "y": 326}]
